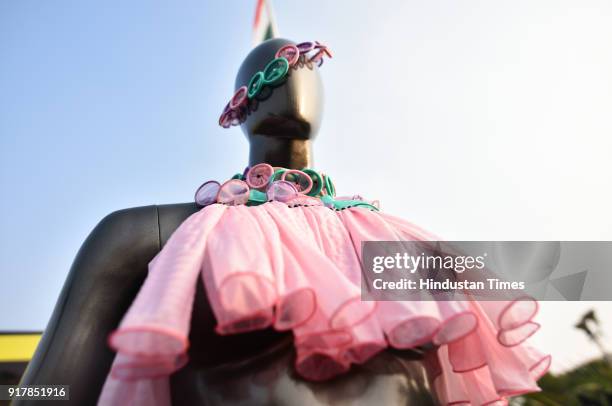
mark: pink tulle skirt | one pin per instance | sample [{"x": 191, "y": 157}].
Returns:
[{"x": 298, "y": 269}]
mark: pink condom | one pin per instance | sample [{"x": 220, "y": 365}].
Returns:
[
  {"x": 302, "y": 200},
  {"x": 259, "y": 175},
  {"x": 233, "y": 192},
  {"x": 225, "y": 120},
  {"x": 301, "y": 180},
  {"x": 290, "y": 52},
  {"x": 207, "y": 193},
  {"x": 281, "y": 191},
  {"x": 234, "y": 117},
  {"x": 239, "y": 98}
]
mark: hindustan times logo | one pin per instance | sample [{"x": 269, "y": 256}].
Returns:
[
  {"x": 412, "y": 263},
  {"x": 487, "y": 270}
]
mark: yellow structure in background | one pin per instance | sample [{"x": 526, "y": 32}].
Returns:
[{"x": 18, "y": 347}]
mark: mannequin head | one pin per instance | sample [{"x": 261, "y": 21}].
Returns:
[{"x": 281, "y": 129}]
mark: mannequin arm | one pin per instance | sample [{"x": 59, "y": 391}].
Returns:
[{"x": 107, "y": 273}]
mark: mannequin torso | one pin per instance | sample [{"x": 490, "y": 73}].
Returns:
[
  {"x": 252, "y": 368},
  {"x": 255, "y": 368}
]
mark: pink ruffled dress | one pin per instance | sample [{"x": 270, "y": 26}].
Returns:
[{"x": 292, "y": 262}]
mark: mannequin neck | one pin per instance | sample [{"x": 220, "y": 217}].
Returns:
[{"x": 288, "y": 153}]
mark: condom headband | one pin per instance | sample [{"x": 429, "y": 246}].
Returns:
[{"x": 287, "y": 57}]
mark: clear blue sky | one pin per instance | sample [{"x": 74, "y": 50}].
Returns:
[
  {"x": 498, "y": 114},
  {"x": 104, "y": 105}
]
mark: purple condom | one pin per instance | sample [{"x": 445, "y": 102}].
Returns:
[
  {"x": 317, "y": 58},
  {"x": 233, "y": 192},
  {"x": 305, "y": 47},
  {"x": 281, "y": 191},
  {"x": 207, "y": 193}
]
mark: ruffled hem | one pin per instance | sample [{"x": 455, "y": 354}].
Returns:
[{"x": 298, "y": 269}]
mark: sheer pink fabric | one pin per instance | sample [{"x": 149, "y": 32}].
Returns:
[{"x": 298, "y": 269}]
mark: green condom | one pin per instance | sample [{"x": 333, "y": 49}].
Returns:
[
  {"x": 275, "y": 71},
  {"x": 256, "y": 197},
  {"x": 317, "y": 182},
  {"x": 329, "y": 186},
  {"x": 255, "y": 84},
  {"x": 276, "y": 175},
  {"x": 343, "y": 204}
]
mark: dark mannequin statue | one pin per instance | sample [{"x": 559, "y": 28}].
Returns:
[
  {"x": 254, "y": 368},
  {"x": 283, "y": 127}
]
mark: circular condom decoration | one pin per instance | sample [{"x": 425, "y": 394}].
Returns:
[
  {"x": 239, "y": 97},
  {"x": 290, "y": 52},
  {"x": 225, "y": 120},
  {"x": 329, "y": 185},
  {"x": 317, "y": 182},
  {"x": 281, "y": 191},
  {"x": 259, "y": 176},
  {"x": 305, "y": 47},
  {"x": 207, "y": 193},
  {"x": 255, "y": 84},
  {"x": 300, "y": 179},
  {"x": 233, "y": 192},
  {"x": 275, "y": 71}
]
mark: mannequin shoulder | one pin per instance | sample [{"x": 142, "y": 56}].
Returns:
[
  {"x": 141, "y": 226},
  {"x": 171, "y": 216},
  {"x": 125, "y": 223}
]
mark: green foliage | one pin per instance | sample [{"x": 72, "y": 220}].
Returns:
[{"x": 587, "y": 385}]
